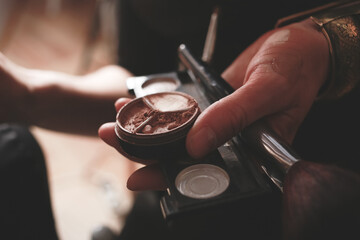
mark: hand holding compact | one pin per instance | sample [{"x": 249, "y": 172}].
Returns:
[
  {"x": 277, "y": 78},
  {"x": 144, "y": 178}
]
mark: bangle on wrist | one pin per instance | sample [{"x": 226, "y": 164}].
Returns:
[{"x": 340, "y": 24}]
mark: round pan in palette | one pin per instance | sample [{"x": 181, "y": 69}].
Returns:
[{"x": 155, "y": 126}]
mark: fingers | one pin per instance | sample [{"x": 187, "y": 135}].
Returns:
[
  {"x": 225, "y": 118},
  {"x": 263, "y": 84},
  {"x": 280, "y": 82},
  {"x": 278, "y": 77},
  {"x": 147, "y": 178},
  {"x": 121, "y": 102},
  {"x": 107, "y": 133}
]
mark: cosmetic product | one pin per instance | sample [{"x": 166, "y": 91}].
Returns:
[
  {"x": 155, "y": 126},
  {"x": 202, "y": 181},
  {"x": 155, "y": 83},
  {"x": 202, "y": 193}
]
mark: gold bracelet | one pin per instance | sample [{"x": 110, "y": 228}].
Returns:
[
  {"x": 341, "y": 27},
  {"x": 340, "y": 24}
]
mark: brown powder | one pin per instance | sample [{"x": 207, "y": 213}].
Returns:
[
  {"x": 158, "y": 113},
  {"x": 131, "y": 123},
  {"x": 166, "y": 121}
]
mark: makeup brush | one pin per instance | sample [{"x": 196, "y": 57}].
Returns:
[{"x": 319, "y": 201}]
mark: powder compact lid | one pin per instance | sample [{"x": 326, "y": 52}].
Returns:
[{"x": 157, "y": 118}]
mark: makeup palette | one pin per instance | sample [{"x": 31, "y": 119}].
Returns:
[
  {"x": 155, "y": 83},
  {"x": 227, "y": 183}
]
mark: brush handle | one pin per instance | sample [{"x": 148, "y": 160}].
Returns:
[
  {"x": 216, "y": 86},
  {"x": 279, "y": 155},
  {"x": 271, "y": 145}
]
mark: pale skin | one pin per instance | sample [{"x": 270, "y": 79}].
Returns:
[
  {"x": 277, "y": 79},
  {"x": 59, "y": 101}
]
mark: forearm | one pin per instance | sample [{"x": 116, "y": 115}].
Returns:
[{"x": 76, "y": 104}]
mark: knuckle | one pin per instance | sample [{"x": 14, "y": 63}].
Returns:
[{"x": 282, "y": 67}]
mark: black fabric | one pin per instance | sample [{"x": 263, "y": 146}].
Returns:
[
  {"x": 145, "y": 220},
  {"x": 330, "y": 133},
  {"x": 150, "y": 31},
  {"x": 25, "y": 208}
]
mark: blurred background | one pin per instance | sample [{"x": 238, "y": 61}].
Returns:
[{"x": 87, "y": 178}]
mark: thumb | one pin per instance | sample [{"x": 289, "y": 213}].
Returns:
[
  {"x": 228, "y": 116},
  {"x": 270, "y": 82},
  {"x": 281, "y": 82}
]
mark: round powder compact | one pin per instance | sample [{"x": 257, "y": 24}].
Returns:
[{"x": 155, "y": 126}]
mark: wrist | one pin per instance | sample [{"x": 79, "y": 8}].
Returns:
[
  {"x": 341, "y": 27},
  {"x": 315, "y": 51},
  {"x": 339, "y": 22}
]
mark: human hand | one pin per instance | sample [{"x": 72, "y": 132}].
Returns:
[
  {"x": 277, "y": 78},
  {"x": 144, "y": 178}
]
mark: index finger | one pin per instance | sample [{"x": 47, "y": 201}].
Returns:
[
  {"x": 121, "y": 102},
  {"x": 107, "y": 134}
]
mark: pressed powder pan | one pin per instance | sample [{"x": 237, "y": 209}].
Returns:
[
  {"x": 155, "y": 83},
  {"x": 155, "y": 126}
]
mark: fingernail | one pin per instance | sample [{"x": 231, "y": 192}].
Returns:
[{"x": 201, "y": 142}]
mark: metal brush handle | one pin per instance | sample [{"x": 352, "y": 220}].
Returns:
[
  {"x": 271, "y": 145},
  {"x": 211, "y": 81}
]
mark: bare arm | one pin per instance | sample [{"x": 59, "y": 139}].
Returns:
[{"x": 58, "y": 101}]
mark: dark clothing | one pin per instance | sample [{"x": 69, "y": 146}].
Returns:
[
  {"x": 25, "y": 208},
  {"x": 150, "y": 31}
]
